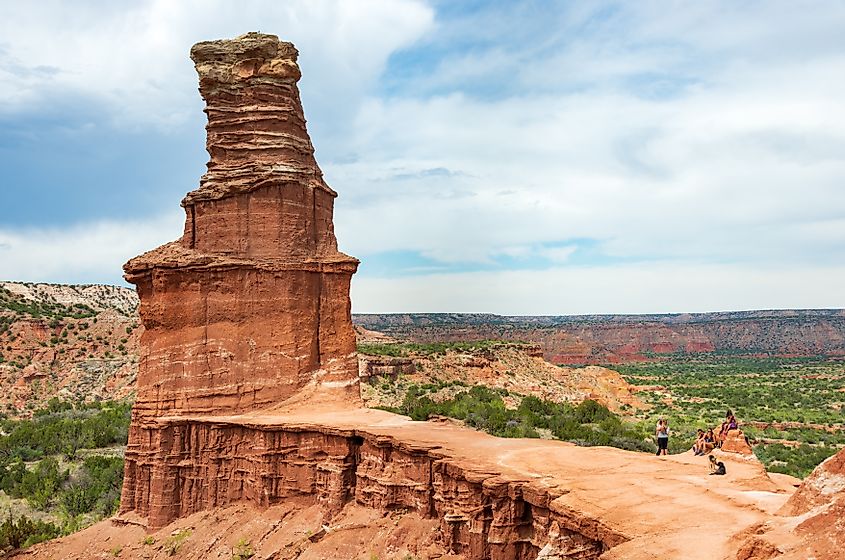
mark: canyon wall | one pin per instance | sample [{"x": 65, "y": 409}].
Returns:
[
  {"x": 590, "y": 339},
  {"x": 201, "y": 465},
  {"x": 75, "y": 343},
  {"x": 250, "y": 308}
]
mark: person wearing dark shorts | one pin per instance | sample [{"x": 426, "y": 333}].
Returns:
[{"x": 662, "y": 432}]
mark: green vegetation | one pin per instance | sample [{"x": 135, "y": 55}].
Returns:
[
  {"x": 97, "y": 488},
  {"x": 64, "y": 428},
  {"x": 793, "y": 460},
  {"x": 402, "y": 349},
  {"x": 38, "y": 485},
  {"x": 176, "y": 540},
  {"x": 691, "y": 391},
  {"x": 764, "y": 389},
  {"x": 24, "y": 532},
  {"x": 242, "y": 550},
  {"x": 588, "y": 423},
  {"x": 50, "y": 310},
  {"x": 40, "y": 463},
  {"x": 694, "y": 391}
]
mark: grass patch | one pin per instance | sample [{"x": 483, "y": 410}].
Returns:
[{"x": 175, "y": 541}]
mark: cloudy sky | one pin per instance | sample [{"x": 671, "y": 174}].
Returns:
[{"x": 533, "y": 157}]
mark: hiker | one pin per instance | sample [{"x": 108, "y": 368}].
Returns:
[
  {"x": 699, "y": 442},
  {"x": 729, "y": 424},
  {"x": 709, "y": 442},
  {"x": 716, "y": 467},
  {"x": 662, "y": 431},
  {"x": 705, "y": 442}
]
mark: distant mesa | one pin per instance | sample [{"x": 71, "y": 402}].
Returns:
[{"x": 591, "y": 339}]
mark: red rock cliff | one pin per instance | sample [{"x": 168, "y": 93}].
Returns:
[{"x": 251, "y": 306}]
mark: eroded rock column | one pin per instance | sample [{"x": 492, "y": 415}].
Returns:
[{"x": 250, "y": 308}]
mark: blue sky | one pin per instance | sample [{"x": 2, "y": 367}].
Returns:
[{"x": 512, "y": 157}]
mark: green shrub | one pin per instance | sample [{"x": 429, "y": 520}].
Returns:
[
  {"x": 589, "y": 423},
  {"x": 39, "y": 485},
  {"x": 25, "y": 532}
]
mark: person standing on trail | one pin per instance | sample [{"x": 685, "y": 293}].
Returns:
[{"x": 662, "y": 431}]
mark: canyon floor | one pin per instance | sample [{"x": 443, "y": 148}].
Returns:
[{"x": 640, "y": 506}]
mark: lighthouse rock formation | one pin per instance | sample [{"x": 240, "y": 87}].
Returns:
[{"x": 251, "y": 306}]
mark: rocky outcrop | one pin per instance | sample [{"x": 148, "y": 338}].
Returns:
[
  {"x": 825, "y": 484},
  {"x": 203, "y": 464},
  {"x": 370, "y": 367},
  {"x": 68, "y": 342},
  {"x": 810, "y": 525},
  {"x": 250, "y": 308},
  {"x": 736, "y": 442},
  {"x": 517, "y": 368},
  {"x": 477, "y": 496}
]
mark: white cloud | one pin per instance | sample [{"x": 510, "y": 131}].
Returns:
[
  {"x": 133, "y": 58},
  {"x": 743, "y": 160},
  {"x": 710, "y": 133},
  {"x": 559, "y": 255},
  {"x": 640, "y": 288},
  {"x": 86, "y": 253},
  {"x": 648, "y": 178}
]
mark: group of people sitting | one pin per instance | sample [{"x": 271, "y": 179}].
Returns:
[{"x": 710, "y": 440}]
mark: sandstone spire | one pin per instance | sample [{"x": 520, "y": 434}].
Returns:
[{"x": 250, "y": 308}]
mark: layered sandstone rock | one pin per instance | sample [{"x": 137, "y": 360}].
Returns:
[
  {"x": 316, "y": 459},
  {"x": 736, "y": 442},
  {"x": 824, "y": 485},
  {"x": 811, "y": 524},
  {"x": 250, "y": 308},
  {"x": 478, "y": 497}
]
